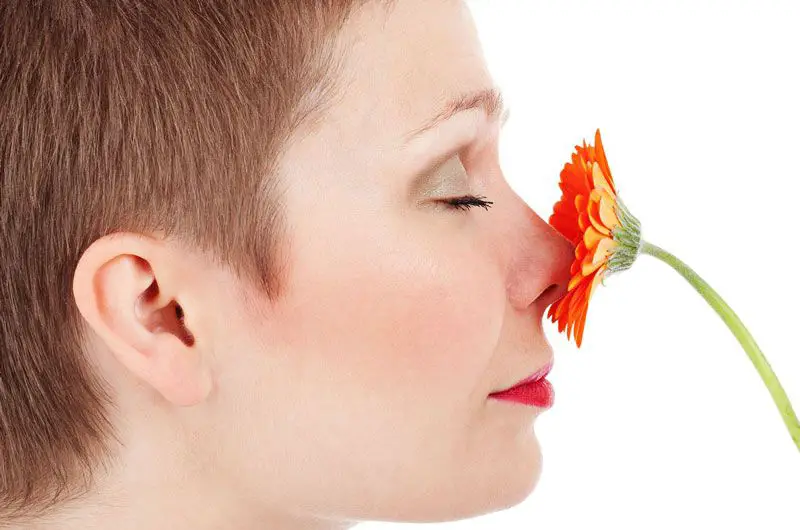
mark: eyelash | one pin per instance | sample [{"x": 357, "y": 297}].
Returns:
[{"x": 468, "y": 201}]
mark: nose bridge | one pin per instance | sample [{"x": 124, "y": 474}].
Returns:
[{"x": 539, "y": 259}]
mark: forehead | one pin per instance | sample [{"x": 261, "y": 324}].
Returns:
[{"x": 402, "y": 64}]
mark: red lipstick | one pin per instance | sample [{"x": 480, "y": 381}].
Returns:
[{"x": 535, "y": 391}]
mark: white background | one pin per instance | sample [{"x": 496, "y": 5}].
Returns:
[{"x": 660, "y": 419}]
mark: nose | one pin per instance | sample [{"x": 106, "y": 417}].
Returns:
[{"x": 539, "y": 268}]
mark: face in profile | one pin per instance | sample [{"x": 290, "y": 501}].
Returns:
[
  {"x": 366, "y": 388},
  {"x": 363, "y": 393}
]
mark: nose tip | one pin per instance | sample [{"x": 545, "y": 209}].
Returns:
[
  {"x": 539, "y": 271},
  {"x": 541, "y": 276}
]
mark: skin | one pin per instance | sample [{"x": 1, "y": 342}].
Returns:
[{"x": 363, "y": 393}]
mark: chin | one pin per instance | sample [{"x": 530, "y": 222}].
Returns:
[{"x": 482, "y": 488}]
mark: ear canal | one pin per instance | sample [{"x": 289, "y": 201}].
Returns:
[
  {"x": 187, "y": 337},
  {"x": 169, "y": 318}
]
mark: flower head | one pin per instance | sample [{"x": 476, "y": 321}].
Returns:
[{"x": 606, "y": 236}]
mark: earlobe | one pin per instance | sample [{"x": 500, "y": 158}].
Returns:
[{"x": 117, "y": 291}]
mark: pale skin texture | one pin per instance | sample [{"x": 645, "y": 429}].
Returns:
[{"x": 363, "y": 394}]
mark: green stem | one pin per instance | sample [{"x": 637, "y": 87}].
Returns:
[{"x": 741, "y": 333}]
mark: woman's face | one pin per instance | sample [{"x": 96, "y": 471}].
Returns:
[{"x": 363, "y": 392}]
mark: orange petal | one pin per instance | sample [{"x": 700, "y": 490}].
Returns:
[
  {"x": 551, "y": 311},
  {"x": 574, "y": 176},
  {"x": 562, "y": 323},
  {"x": 567, "y": 226},
  {"x": 583, "y": 221},
  {"x": 598, "y": 276},
  {"x": 571, "y": 184},
  {"x": 575, "y": 280},
  {"x": 568, "y": 187},
  {"x": 563, "y": 207},
  {"x": 589, "y": 264},
  {"x": 580, "y": 251},
  {"x": 582, "y": 171},
  {"x": 555, "y": 309},
  {"x": 578, "y": 298},
  {"x": 581, "y": 323},
  {"x": 591, "y": 237},
  {"x": 580, "y": 202},
  {"x": 600, "y": 156},
  {"x": 593, "y": 212},
  {"x": 607, "y": 214},
  {"x": 560, "y": 314},
  {"x": 598, "y": 256},
  {"x": 583, "y": 293},
  {"x": 599, "y": 180},
  {"x": 603, "y": 250},
  {"x": 574, "y": 268},
  {"x": 563, "y": 305}
]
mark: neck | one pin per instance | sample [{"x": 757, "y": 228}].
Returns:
[
  {"x": 159, "y": 480},
  {"x": 168, "y": 477},
  {"x": 189, "y": 504}
]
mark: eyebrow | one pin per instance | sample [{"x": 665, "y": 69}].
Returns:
[{"x": 488, "y": 99}]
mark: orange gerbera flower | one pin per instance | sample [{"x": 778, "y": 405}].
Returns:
[
  {"x": 606, "y": 236},
  {"x": 608, "y": 239}
]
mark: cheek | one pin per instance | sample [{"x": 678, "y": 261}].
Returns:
[
  {"x": 443, "y": 321},
  {"x": 379, "y": 350},
  {"x": 406, "y": 315}
]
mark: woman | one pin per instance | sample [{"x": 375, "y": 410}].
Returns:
[{"x": 261, "y": 268}]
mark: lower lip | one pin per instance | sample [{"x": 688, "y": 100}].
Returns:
[{"x": 539, "y": 393}]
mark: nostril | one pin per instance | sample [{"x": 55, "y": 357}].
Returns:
[
  {"x": 551, "y": 294},
  {"x": 549, "y": 291}
]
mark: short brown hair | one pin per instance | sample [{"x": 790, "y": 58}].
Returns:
[{"x": 137, "y": 116}]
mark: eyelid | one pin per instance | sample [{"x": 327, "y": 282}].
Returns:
[
  {"x": 447, "y": 184},
  {"x": 427, "y": 180}
]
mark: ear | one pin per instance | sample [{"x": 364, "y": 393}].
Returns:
[{"x": 127, "y": 288}]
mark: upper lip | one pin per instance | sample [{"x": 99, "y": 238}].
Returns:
[{"x": 538, "y": 374}]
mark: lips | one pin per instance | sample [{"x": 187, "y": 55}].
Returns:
[{"x": 539, "y": 374}]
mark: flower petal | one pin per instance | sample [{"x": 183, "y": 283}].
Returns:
[
  {"x": 559, "y": 312},
  {"x": 604, "y": 250},
  {"x": 574, "y": 176},
  {"x": 600, "y": 156},
  {"x": 580, "y": 250},
  {"x": 567, "y": 226},
  {"x": 569, "y": 188},
  {"x": 589, "y": 264},
  {"x": 583, "y": 221},
  {"x": 595, "y": 281},
  {"x": 580, "y": 325},
  {"x": 607, "y": 211},
  {"x": 599, "y": 180},
  {"x": 565, "y": 220},
  {"x": 578, "y": 297},
  {"x": 591, "y": 237},
  {"x": 593, "y": 211},
  {"x": 580, "y": 203},
  {"x": 582, "y": 309},
  {"x": 575, "y": 280}
]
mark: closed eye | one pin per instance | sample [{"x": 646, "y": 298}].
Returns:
[{"x": 466, "y": 202}]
